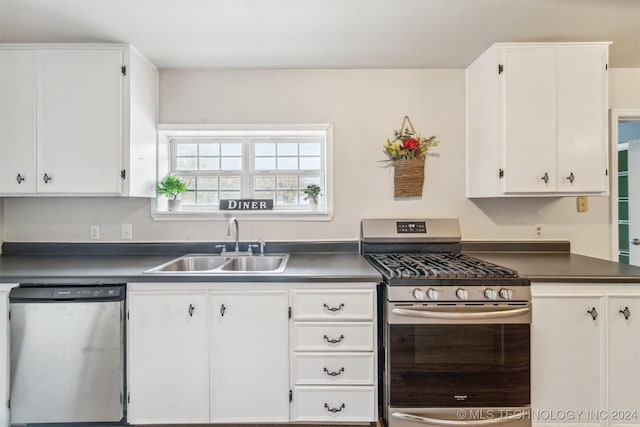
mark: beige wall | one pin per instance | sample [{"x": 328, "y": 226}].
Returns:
[
  {"x": 364, "y": 106},
  {"x": 624, "y": 88}
]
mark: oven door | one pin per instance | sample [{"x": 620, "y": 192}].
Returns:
[{"x": 461, "y": 364}]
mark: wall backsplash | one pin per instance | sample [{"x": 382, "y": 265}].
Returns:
[{"x": 364, "y": 107}]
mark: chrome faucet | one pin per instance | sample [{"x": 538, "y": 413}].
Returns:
[{"x": 232, "y": 221}]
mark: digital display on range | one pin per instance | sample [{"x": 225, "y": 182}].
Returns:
[{"x": 410, "y": 227}]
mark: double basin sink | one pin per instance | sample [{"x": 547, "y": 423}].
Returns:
[{"x": 223, "y": 264}]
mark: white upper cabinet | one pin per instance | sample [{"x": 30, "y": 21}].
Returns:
[
  {"x": 77, "y": 120},
  {"x": 537, "y": 120}
]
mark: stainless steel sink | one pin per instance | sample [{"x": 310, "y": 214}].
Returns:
[{"x": 223, "y": 264}]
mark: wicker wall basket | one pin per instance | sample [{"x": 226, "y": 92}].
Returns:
[{"x": 408, "y": 178}]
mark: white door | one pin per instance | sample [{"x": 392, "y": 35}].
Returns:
[
  {"x": 566, "y": 353},
  {"x": 529, "y": 119},
  {"x": 634, "y": 201},
  {"x": 17, "y": 122},
  {"x": 168, "y": 364},
  {"x": 582, "y": 119},
  {"x": 623, "y": 339},
  {"x": 79, "y": 110},
  {"x": 250, "y": 357}
]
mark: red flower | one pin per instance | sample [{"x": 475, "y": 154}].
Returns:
[{"x": 410, "y": 144}]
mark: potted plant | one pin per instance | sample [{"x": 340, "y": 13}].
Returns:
[
  {"x": 407, "y": 152},
  {"x": 172, "y": 187},
  {"x": 312, "y": 193}
]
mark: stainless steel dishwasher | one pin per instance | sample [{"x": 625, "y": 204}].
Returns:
[{"x": 67, "y": 354}]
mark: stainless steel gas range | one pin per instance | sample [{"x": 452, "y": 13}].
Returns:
[{"x": 455, "y": 330}]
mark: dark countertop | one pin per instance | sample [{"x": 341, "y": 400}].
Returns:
[
  {"x": 562, "y": 267},
  {"x": 85, "y": 269}
]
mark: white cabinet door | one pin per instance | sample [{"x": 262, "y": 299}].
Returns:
[
  {"x": 79, "y": 128},
  {"x": 582, "y": 119},
  {"x": 250, "y": 356},
  {"x": 567, "y": 358},
  {"x": 168, "y": 357},
  {"x": 17, "y": 122},
  {"x": 529, "y": 119},
  {"x": 623, "y": 339},
  {"x": 4, "y": 358}
]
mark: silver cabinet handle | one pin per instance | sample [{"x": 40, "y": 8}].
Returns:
[
  {"x": 457, "y": 423},
  {"x": 46, "y": 178},
  {"x": 635, "y": 242},
  {"x": 222, "y": 310},
  {"x": 334, "y": 410},
  {"x": 190, "y": 310},
  {"x": 571, "y": 177},
  {"x": 545, "y": 178},
  {"x": 461, "y": 316},
  {"x": 332, "y": 341},
  {"x": 334, "y": 373},
  {"x": 19, "y": 178},
  {"x": 593, "y": 312}
]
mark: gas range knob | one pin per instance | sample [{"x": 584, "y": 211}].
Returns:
[
  {"x": 432, "y": 294},
  {"x": 418, "y": 294},
  {"x": 506, "y": 293},
  {"x": 490, "y": 293},
  {"x": 462, "y": 294}
]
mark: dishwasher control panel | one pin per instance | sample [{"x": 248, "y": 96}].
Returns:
[{"x": 66, "y": 293}]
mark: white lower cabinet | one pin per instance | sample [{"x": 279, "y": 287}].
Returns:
[
  {"x": 585, "y": 354},
  {"x": 168, "y": 357},
  {"x": 4, "y": 352},
  {"x": 250, "y": 356},
  {"x": 334, "y": 355},
  {"x": 236, "y": 353}
]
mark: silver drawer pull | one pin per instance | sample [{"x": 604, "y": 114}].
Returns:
[
  {"x": 458, "y": 423},
  {"x": 338, "y": 308},
  {"x": 334, "y": 410},
  {"x": 334, "y": 373},
  {"x": 332, "y": 341}
]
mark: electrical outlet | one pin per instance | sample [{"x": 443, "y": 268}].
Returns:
[
  {"x": 95, "y": 232},
  {"x": 538, "y": 230},
  {"x": 583, "y": 204},
  {"x": 127, "y": 231}
]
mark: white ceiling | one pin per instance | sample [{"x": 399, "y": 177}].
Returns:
[{"x": 323, "y": 33}]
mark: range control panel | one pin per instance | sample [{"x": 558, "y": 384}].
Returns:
[{"x": 406, "y": 227}]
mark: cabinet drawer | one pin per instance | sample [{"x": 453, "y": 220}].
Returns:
[
  {"x": 333, "y": 368},
  {"x": 335, "y": 336},
  {"x": 338, "y": 404},
  {"x": 339, "y": 304}
]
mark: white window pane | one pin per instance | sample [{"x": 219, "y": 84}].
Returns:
[
  {"x": 190, "y": 181},
  {"x": 189, "y": 198},
  {"x": 207, "y": 197},
  {"x": 288, "y": 183},
  {"x": 287, "y": 198},
  {"x": 187, "y": 149},
  {"x": 265, "y": 195},
  {"x": 287, "y": 163},
  {"x": 304, "y": 181},
  {"x": 310, "y": 149},
  {"x": 287, "y": 149},
  {"x": 186, "y": 163},
  {"x": 310, "y": 163},
  {"x": 209, "y": 163},
  {"x": 207, "y": 183},
  {"x": 265, "y": 149},
  {"x": 230, "y": 183},
  {"x": 229, "y": 195},
  {"x": 233, "y": 149},
  {"x": 265, "y": 183},
  {"x": 209, "y": 149},
  {"x": 231, "y": 163},
  {"x": 265, "y": 163}
]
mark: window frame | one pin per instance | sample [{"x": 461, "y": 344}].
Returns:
[{"x": 166, "y": 132}]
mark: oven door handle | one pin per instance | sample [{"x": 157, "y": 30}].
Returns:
[
  {"x": 457, "y": 423},
  {"x": 450, "y": 315}
]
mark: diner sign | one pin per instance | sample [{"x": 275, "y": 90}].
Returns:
[{"x": 246, "y": 204}]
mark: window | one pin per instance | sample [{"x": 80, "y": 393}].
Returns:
[{"x": 247, "y": 163}]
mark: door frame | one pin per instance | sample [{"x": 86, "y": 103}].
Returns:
[{"x": 616, "y": 115}]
